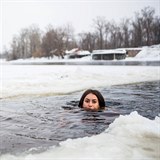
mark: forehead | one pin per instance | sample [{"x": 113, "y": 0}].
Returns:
[{"x": 91, "y": 96}]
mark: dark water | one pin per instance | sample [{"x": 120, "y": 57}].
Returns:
[
  {"x": 97, "y": 62},
  {"x": 43, "y": 122}
]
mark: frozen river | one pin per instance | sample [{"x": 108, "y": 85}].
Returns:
[{"x": 40, "y": 118}]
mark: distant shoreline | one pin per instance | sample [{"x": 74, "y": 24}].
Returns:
[{"x": 125, "y": 63}]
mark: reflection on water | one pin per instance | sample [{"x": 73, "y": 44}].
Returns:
[{"x": 42, "y": 122}]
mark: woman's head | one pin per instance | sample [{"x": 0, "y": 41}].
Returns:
[{"x": 92, "y": 100}]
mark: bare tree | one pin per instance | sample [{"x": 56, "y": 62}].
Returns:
[
  {"x": 125, "y": 32},
  {"x": 100, "y": 26},
  {"x": 35, "y": 41},
  {"x": 147, "y": 15},
  {"x": 156, "y": 31},
  {"x": 87, "y": 41},
  {"x": 137, "y": 31},
  {"x": 14, "y": 50},
  {"x": 57, "y": 39},
  {"x": 24, "y": 43},
  {"x": 48, "y": 41},
  {"x": 69, "y": 40},
  {"x": 144, "y": 27},
  {"x": 114, "y": 31},
  {"x": 20, "y": 45},
  {"x": 107, "y": 33}
]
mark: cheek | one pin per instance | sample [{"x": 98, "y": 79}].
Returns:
[
  {"x": 84, "y": 104},
  {"x": 97, "y": 105}
]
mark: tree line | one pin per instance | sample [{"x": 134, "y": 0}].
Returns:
[{"x": 142, "y": 30}]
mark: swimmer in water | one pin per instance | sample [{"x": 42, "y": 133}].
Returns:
[{"x": 92, "y": 100}]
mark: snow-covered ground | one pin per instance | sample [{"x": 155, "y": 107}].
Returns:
[
  {"x": 149, "y": 53},
  {"x": 41, "y": 80},
  {"x": 38, "y": 80}
]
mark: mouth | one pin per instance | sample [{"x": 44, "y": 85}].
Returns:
[{"x": 90, "y": 109}]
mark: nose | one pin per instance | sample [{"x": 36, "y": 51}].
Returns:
[{"x": 90, "y": 104}]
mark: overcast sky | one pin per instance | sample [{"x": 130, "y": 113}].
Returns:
[{"x": 18, "y": 14}]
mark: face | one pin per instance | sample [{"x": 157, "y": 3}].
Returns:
[{"x": 91, "y": 102}]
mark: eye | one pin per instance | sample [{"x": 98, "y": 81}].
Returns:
[
  {"x": 94, "y": 101},
  {"x": 87, "y": 100}
]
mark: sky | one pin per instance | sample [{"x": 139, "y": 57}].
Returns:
[{"x": 16, "y": 14}]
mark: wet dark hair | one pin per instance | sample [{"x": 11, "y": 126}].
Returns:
[{"x": 97, "y": 94}]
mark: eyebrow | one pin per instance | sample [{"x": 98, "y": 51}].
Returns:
[{"x": 90, "y": 99}]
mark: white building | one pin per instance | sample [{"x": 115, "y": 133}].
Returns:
[{"x": 109, "y": 54}]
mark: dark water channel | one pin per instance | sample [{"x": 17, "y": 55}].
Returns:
[{"x": 43, "y": 122}]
